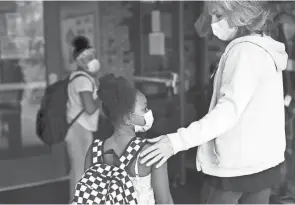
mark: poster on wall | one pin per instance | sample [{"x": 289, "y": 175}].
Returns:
[
  {"x": 83, "y": 24},
  {"x": 14, "y": 48},
  {"x": 14, "y": 24}
]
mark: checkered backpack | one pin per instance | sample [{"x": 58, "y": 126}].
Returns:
[{"x": 108, "y": 184}]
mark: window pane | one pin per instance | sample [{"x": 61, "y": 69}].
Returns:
[{"x": 22, "y": 75}]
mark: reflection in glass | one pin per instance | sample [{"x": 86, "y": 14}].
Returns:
[{"x": 22, "y": 75}]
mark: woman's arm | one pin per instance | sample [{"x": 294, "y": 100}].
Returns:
[
  {"x": 241, "y": 75},
  {"x": 160, "y": 185}
]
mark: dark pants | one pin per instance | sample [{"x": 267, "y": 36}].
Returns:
[{"x": 213, "y": 195}]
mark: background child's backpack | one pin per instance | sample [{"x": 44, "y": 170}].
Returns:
[
  {"x": 108, "y": 184},
  {"x": 51, "y": 122}
]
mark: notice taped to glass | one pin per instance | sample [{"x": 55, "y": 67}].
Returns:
[{"x": 14, "y": 47}]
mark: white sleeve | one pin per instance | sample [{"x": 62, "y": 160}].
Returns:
[
  {"x": 82, "y": 84},
  {"x": 239, "y": 80}
]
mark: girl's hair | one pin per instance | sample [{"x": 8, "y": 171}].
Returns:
[
  {"x": 248, "y": 16},
  {"x": 118, "y": 97},
  {"x": 80, "y": 44}
]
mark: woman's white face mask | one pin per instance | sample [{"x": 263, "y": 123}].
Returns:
[{"x": 223, "y": 31}]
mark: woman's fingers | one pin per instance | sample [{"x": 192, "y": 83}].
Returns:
[
  {"x": 157, "y": 153},
  {"x": 149, "y": 153},
  {"x": 148, "y": 150},
  {"x": 154, "y": 160},
  {"x": 163, "y": 160}
]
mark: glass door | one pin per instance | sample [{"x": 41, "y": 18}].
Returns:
[
  {"x": 166, "y": 79},
  {"x": 22, "y": 78}
]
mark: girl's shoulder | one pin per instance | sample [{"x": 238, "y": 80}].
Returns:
[
  {"x": 143, "y": 169},
  {"x": 81, "y": 75},
  {"x": 80, "y": 78}
]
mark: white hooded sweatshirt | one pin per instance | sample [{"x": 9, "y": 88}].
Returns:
[{"x": 244, "y": 130}]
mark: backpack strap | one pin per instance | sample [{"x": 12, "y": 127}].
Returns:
[
  {"x": 133, "y": 148},
  {"x": 80, "y": 75},
  {"x": 96, "y": 151},
  {"x": 76, "y": 118},
  {"x": 82, "y": 111}
]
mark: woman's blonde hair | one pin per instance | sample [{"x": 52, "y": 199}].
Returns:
[{"x": 248, "y": 16}]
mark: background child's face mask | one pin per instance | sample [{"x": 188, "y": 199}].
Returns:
[
  {"x": 93, "y": 66},
  {"x": 88, "y": 61}
]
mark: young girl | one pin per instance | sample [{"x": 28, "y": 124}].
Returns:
[
  {"x": 82, "y": 100},
  {"x": 128, "y": 111}
]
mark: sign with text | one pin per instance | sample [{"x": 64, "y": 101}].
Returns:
[{"x": 14, "y": 24}]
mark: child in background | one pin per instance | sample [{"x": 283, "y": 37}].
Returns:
[
  {"x": 127, "y": 108},
  {"x": 83, "y": 99}
]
